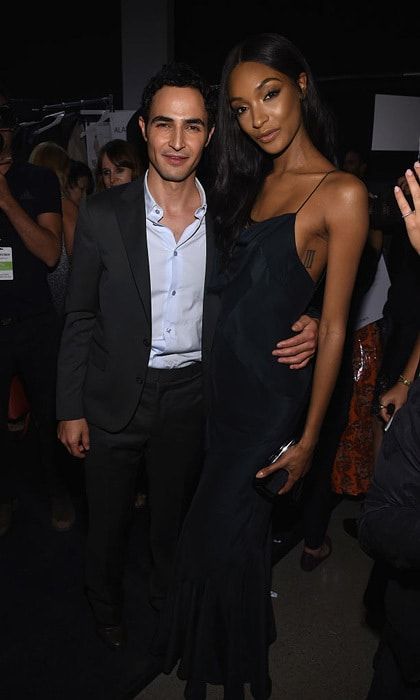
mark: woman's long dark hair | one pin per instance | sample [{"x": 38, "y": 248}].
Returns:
[{"x": 239, "y": 166}]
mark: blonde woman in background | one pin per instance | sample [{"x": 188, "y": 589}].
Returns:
[{"x": 50, "y": 155}]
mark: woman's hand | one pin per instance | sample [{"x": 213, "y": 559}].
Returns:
[
  {"x": 411, "y": 216},
  {"x": 396, "y": 395},
  {"x": 296, "y": 461}
]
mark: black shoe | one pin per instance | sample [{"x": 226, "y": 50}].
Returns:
[
  {"x": 113, "y": 635},
  {"x": 309, "y": 562},
  {"x": 350, "y": 526}
]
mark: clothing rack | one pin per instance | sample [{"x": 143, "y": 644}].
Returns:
[
  {"x": 107, "y": 101},
  {"x": 55, "y": 121}
]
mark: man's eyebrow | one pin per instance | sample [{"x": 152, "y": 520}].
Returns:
[
  {"x": 195, "y": 120},
  {"x": 168, "y": 120},
  {"x": 161, "y": 118}
]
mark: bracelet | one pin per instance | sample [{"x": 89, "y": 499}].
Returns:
[{"x": 404, "y": 381}]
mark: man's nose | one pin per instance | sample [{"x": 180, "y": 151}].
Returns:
[{"x": 177, "y": 138}]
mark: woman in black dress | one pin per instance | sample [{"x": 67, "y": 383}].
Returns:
[{"x": 286, "y": 217}]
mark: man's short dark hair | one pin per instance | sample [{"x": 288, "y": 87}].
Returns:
[{"x": 178, "y": 74}]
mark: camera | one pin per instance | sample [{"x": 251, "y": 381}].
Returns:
[{"x": 8, "y": 120}]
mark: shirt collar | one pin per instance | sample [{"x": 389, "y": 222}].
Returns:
[{"x": 154, "y": 212}]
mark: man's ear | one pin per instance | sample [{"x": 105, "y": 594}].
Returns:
[
  {"x": 211, "y": 132},
  {"x": 142, "y": 125}
]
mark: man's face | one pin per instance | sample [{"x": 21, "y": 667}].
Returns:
[
  {"x": 353, "y": 163},
  {"x": 176, "y": 132}
]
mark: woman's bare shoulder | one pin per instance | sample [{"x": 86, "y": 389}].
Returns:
[{"x": 346, "y": 187}]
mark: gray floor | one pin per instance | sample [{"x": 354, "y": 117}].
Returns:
[{"x": 324, "y": 649}]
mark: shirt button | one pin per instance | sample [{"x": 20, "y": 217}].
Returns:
[
  {"x": 175, "y": 253},
  {"x": 173, "y": 293},
  {"x": 146, "y": 342}
]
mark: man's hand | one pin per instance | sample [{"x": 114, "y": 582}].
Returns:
[
  {"x": 298, "y": 350},
  {"x": 74, "y": 434}
]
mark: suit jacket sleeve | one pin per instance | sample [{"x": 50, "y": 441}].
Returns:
[
  {"x": 314, "y": 309},
  {"x": 82, "y": 304},
  {"x": 389, "y": 526}
]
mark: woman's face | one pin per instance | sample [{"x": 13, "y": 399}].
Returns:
[
  {"x": 267, "y": 104},
  {"x": 114, "y": 174}
]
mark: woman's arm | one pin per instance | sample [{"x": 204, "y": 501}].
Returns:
[
  {"x": 397, "y": 394},
  {"x": 347, "y": 224},
  {"x": 70, "y": 214}
]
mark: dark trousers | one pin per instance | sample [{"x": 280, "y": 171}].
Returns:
[
  {"x": 318, "y": 497},
  {"x": 168, "y": 430},
  {"x": 29, "y": 348}
]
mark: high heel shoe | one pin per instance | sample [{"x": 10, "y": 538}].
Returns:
[{"x": 309, "y": 562}]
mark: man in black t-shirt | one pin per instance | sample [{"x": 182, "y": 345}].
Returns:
[{"x": 30, "y": 244}]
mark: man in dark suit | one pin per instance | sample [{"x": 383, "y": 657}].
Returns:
[{"x": 136, "y": 342}]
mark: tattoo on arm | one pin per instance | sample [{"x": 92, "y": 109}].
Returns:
[{"x": 308, "y": 258}]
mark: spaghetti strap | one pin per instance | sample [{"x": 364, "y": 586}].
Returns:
[{"x": 315, "y": 189}]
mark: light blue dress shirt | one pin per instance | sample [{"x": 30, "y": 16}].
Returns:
[{"x": 177, "y": 272}]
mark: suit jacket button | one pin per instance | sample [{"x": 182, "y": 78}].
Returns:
[
  {"x": 139, "y": 380},
  {"x": 146, "y": 342}
]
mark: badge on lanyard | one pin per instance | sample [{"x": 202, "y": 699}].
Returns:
[{"x": 6, "y": 263}]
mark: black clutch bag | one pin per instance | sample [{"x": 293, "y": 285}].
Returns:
[{"x": 271, "y": 484}]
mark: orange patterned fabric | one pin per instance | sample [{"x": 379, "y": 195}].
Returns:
[{"x": 354, "y": 461}]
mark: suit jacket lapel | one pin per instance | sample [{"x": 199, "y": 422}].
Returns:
[
  {"x": 211, "y": 300},
  {"x": 131, "y": 215}
]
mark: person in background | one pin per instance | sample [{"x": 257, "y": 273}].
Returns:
[
  {"x": 401, "y": 311},
  {"x": 118, "y": 163},
  {"x": 80, "y": 181},
  {"x": 389, "y": 525},
  {"x": 355, "y": 457},
  {"x": 52, "y": 156},
  {"x": 31, "y": 226}
]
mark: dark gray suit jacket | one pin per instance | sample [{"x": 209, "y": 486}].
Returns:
[{"x": 105, "y": 344}]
